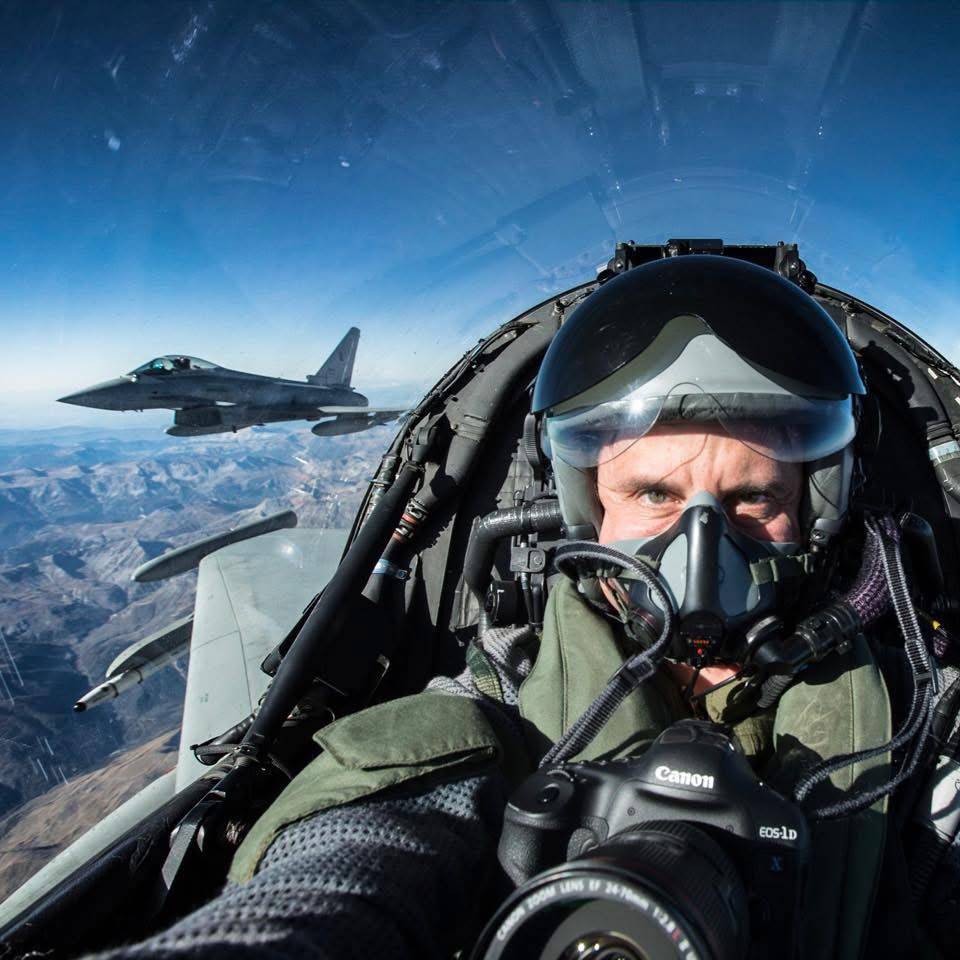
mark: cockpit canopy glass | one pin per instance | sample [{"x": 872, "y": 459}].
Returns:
[
  {"x": 249, "y": 180},
  {"x": 171, "y": 362}
]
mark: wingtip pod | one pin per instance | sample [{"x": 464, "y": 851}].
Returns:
[
  {"x": 160, "y": 646},
  {"x": 187, "y": 558}
]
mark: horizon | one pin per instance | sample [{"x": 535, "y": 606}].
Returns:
[
  {"x": 245, "y": 187},
  {"x": 40, "y": 407}
]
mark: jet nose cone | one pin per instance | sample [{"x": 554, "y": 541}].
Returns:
[
  {"x": 104, "y": 396},
  {"x": 80, "y": 399}
]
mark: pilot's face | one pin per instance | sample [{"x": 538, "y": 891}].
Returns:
[{"x": 644, "y": 486}]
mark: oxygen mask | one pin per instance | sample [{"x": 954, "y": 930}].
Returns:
[{"x": 719, "y": 580}]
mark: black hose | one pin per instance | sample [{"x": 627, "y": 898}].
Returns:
[
  {"x": 314, "y": 652},
  {"x": 536, "y": 517},
  {"x": 915, "y": 728},
  {"x": 638, "y": 668},
  {"x": 773, "y": 689}
]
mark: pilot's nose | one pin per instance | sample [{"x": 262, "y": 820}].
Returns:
[{"x": 104, "y": 396}]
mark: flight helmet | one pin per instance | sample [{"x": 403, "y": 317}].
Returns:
[{"x": 712, "y": 340}]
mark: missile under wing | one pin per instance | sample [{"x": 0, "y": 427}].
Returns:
[
  {"x": 207, "y": 398},
  {"x": 250, "y": 592}
]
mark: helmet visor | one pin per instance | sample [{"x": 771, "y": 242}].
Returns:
[{"x": 783, "y": 427}]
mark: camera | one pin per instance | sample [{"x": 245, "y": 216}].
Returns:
[{"x": 680, "y": 852}]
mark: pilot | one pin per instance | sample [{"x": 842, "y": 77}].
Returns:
[{"x": 702, "y": 416}]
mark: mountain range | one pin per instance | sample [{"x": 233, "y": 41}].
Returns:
[{"x": 80, "y": 509}]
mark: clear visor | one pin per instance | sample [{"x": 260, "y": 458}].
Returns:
[{"x": 783, "y": 427}]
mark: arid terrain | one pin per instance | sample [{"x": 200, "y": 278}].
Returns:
[
  {"x": 37, "y": 830},
  {"x": 79, "y": 511}
]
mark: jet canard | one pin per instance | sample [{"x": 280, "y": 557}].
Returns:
[{"x": 208, "y": 398}]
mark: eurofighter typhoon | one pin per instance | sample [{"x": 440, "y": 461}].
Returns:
[{"x": 208, "y": 398}]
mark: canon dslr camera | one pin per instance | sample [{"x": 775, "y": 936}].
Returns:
[{"x": 680, "y": 852}]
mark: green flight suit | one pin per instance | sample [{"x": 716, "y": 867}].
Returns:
[{"x": 840, "y": 706}]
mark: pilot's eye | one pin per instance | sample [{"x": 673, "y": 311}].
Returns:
[
  {"x": 752, "y": 504},
  {"x": 653, "y": 497}
]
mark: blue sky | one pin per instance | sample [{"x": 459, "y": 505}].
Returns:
[{"x": 244, "y": 182}]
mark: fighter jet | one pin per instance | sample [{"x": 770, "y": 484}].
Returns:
[{"x": 208, "y": 398}]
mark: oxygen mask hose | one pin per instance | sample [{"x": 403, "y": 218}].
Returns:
[
  {"x": 830, "y": 629},
  {"x": 638, "y": 668}
]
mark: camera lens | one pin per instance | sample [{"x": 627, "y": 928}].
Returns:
[
  {"x": 604, "y": 946},
  {"x": 661, "y": 891}
]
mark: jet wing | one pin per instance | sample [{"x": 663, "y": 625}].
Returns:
[
  {"x": 226, "y": 417},
  {"x": 223, "y": 418},
  {"x": 249, "y": 595}
]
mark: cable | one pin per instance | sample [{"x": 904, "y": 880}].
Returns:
[
  {"x": 637, "y": 669},
  {"x": 885, "y": 533}
]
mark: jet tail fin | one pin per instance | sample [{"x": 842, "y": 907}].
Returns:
[{"x": 337, "y": 369}]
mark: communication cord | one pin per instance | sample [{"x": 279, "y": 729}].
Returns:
[
  {"x": 916, "y": 726},
  {"x": 637, "y": 669}
]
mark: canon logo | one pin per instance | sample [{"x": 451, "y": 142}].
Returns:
[{"x": 683, "y": 778}]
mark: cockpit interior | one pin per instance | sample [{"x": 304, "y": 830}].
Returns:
[{"x": 171, "y": 363}]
